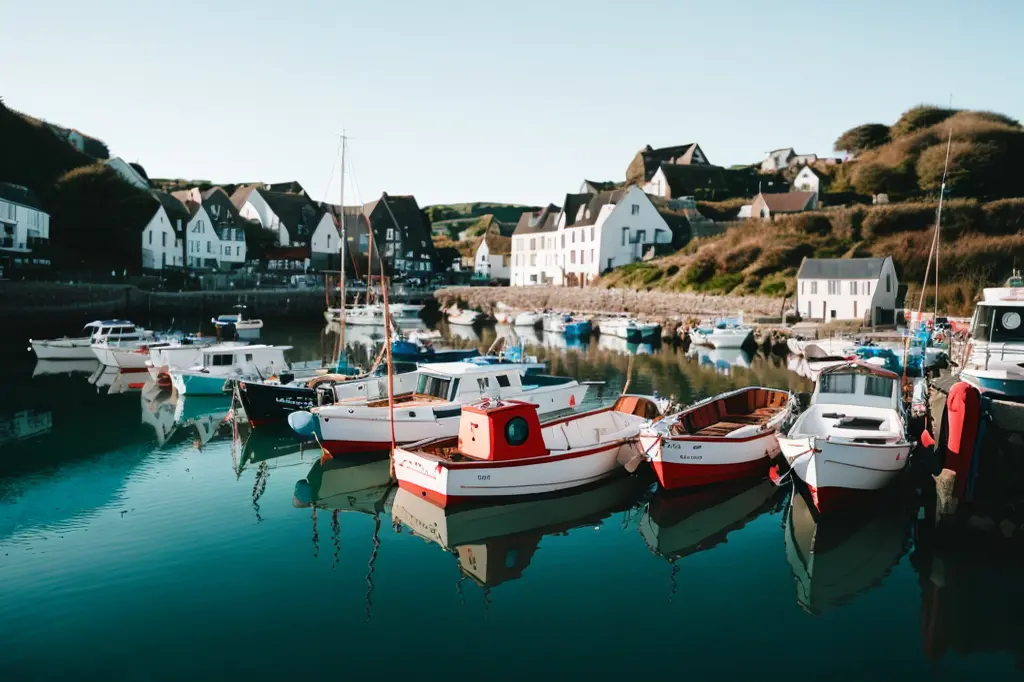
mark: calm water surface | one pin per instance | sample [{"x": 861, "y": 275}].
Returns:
[{"x": 142, "y": 539}]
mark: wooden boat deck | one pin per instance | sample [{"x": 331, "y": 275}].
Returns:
[{"x": 719, "y": 418}]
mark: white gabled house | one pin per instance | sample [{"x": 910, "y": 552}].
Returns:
[
  {"x": 493, "y": 256},
  {"x": 592, "y": 233},
  {"x": 807, "y": 180},
  {"x": 162, "y": 237},
  {"x": 848, "y": 289},
  {"x": 24, "y": 226},
  {"x": 325, "y": 245}
]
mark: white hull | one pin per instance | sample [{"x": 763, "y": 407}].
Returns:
[
  {"x": 528, "y": 319},
  {"x": 723, "y": 338},
  {"x": 122, "y": 358},
  {"x": 466, "y": 317},
  {"x": 64, "y": 349}
]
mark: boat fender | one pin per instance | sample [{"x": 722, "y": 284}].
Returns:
[
  {"x": 963, "y": 410},
  {"x": 303, "y": 423},
  {"x": 303, "y": 495}
]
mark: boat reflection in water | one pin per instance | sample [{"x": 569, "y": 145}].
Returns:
[
  {"x": 117, "y": 381},
  {"x": 494, "y": 543},
  {"x": 205, "y": 416},
  {"x": 56, "y": 367},
  {"x": 461, "y": 331},
  {"x": 721, "y": 359},
  {"x": 25, "y": 425},
  {"x": 679, "y": 523},
  {"x": 617, "y": 344},
  {"x": 158, "y": 409},
  {"x": 359, "y": 483},
  {"x": 835, "y": 558}
]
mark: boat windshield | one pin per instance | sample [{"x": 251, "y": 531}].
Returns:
[
  {"x": 433, "y": 386},
  {"x": 1008, "y": 324}
]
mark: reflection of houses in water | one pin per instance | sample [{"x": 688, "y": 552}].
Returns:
[
  {"x": 837, "y": 557},
  {"x": 722, "y": 360},
  {"x": 494, "y": 543},
  {"x": 677, "y": 524},
  {"x": 25, "y": 425},
  {"x": 58, "y": 367}
]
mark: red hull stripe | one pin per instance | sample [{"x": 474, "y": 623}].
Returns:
[
  {"x": 672, "y": 475},
  {"x": 432, "y": 496}
]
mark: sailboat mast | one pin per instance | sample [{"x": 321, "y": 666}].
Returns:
[
  {"x": 341, "y": 248},
  {"x": 935, "y": 238}
]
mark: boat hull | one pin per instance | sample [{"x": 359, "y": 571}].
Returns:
[
  {"x": 122, "y": 358},
  {"x": 200, "y": 384},
  {"x": 722, "y": 338},
  {"x": 686, "y": 462},
  {"x": 454, "y": 483},
  {"x": 271, "y": 404},
  {"x": 64, "y": 349},
  {"x": 839, "y": 475},
  {"x": 527, "y": 319},
  {"x": 998, "y": 382}
]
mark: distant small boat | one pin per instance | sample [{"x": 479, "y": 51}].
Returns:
[
  {"x": 80, "y": 348},
  {"x": 243, "y": 328},
  {"x": 571, "y": 327},
  {"x": 726, "y": 438},
  {"x": 463, "y": 317},
  {"x": 529, "y": 319},
  {"x": 502, "y": 450},
  {"x": 621, "y": 327},
  {"x": 722, "y": 333}
]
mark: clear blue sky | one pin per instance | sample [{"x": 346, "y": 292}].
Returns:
[{"x": 480, "y": 100}]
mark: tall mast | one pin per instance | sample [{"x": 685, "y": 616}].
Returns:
[{"x": 341, "y": 249}]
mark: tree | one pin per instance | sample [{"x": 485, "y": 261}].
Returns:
[
  {"x": 978, "y": 169},
  {"x": 919, "y": 117},
  {"x": 862, "y": 138},
  {"x": 872, "y": 178}
]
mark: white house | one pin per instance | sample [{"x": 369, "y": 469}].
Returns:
[
  {"x": 162, "y": 236},
  {"x": 493, "y": 258},
  {"x": 592, "y": 233},
  {"x": 807, "y": 180},
  {"x": 24, "y": 225},
  {"x": 848, "y": 289},
  {"x": 292, "y": 217},
  {"x": 203, "y": 244},
  {"x": 127, "y": 172},
  {"x": 325, "y": 245}
]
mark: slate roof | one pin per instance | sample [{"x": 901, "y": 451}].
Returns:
[
  {"x": 594, "y": 206},
  {"x": 572, "y": 205},
  {"x": 292, "y": 187},
  {"x": 297, "y": 213},
  {"x": 685, "y": 180},
  {"x": 787, "y": 202},
  {"x": 677, "y": 155},
  {"x": 544, "y": 220},
  {"x": 219, "y": 207},
  {"x": 596, "y": 186},
  {"x": 841, "y": 268},
  {"x": 16, "y": 194},
  {"x": 403, "y": 213},
  {"x": 175, "y": 209}
]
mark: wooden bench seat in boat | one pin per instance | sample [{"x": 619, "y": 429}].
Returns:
[{"x": 722, "y": 417}]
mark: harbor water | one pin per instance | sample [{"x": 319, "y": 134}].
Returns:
[{"x": 145, "y": 537}]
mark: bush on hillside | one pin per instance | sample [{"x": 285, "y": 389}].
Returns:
[
  {"x": 875, "y": 178},
  {"x": 918, "y": 118},
  {"x": 1005, "y": 216},
  {"x": 862, "y": 138},
  {"x": 976, "y": 169},
  {"x": 720, "y": 211}
]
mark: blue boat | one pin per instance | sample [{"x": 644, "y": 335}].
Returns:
[{"x": 407, "y": 351}]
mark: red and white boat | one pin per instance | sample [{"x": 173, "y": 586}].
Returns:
[
  {"x": 852, "y": 438},
  {"x": 503, "y": 451},
  {"x": 726, "y": 438}
]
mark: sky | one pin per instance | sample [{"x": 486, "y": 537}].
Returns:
[{"x": 490, "y": 101}]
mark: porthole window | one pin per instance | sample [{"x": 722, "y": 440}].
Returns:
[
  {"x": 1011, "y": 320},
  {"x": 516, "y": 431}
]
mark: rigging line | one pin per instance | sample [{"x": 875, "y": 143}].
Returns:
[
  {"x": 933, "y": 253},
  {"x": 334, "y": 167}
]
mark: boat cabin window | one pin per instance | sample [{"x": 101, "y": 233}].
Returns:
[
  {"x": 248, "y": 357},
  {"x": 517, "y": 430},
  {"x": 837, "y": 383},
  {"x": 483, "y": 383},
  {"x": 219, "y": 360},
  {"x": 503, "y": 381},
  {"x": 455, "y": 389},
  {"x": 1008, "y": 327},
  {"x": 433, "y": 386},
  {"x": 878, "y": 386}
]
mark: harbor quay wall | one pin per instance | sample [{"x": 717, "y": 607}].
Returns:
[
  {"x": 33, "y": 303},
  {"x": 653, "y": 305}
]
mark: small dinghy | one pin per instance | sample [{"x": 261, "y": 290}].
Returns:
[
  {"x": 503, "y": 451},
  {"x": 726, "y": 438}
]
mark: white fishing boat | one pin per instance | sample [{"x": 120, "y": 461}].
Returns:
[
  {"x": 822, "y": 349},
  {"x": 80, "y": 348},
  {"x": 463, "y": 317},
  {"x": 221, "y": 366},
  {"x": 528, "y": 319},
  {"x": 722, "y": 333},
  {"x": 852, "y": 438},
  {"x": 244, "y": 328},
  {"x": 502, "y": 450},
  {"x": 725, "y": 438},
  {"x": 433, "y": 409},
  {"x": 132, "y": 355},
  {"x": 162, "y": 359},
  {"x": 996, "y": 353},
  {"x": 622, "y": 327}
]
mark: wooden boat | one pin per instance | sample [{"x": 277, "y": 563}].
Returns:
[
  {"x": 729, "y": 437},
  {"x": 852, "y": 438},
  {"x": 433, "y": 408},
  {"x": 503, "y": 451}
]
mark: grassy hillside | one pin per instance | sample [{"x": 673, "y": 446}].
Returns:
[
  {"x": 980, "y": 244},
  {"x": 506, "y": 213}
]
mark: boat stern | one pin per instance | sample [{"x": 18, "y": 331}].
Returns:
[{"x": 425, "y": 478}]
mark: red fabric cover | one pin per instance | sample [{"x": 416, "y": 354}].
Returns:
[{"x": 963, "y": 410}]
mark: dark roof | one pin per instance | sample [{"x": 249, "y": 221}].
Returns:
[
  {"x": 595, "y": 186},
  {"x": 175, "y": 209},
  {"x": 787, "y": 202},
  {"x": 185, "y": 197},
  {"x": 572, "y": 205},
  {"x": 677, "y": 155},
  {"x": 401, "y": 212},
  {"x": 16, "y": 194},
  {"x": 840, "y": 268},
  {"x": 448, "y": 254},
  {"x": 544, "y": 220},
  {"x": 593, "y": 207},
  {"x": 292, "y": 187},
  {"x": 685, "y": 180},
  {"x": 287, "y": 253},
  {"x": 297, "y": 213},
  {"x": 219, "y": 207}
]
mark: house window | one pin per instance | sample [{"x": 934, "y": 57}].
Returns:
[
  {"x": 609, "y": 263},
  {"x": 328, "y": 241},
  {"x": 563, "y": 240},
  {"x": 572, "y": 256},
  {"x": 625, "y": 236},
  {"x": 801, "y": 288},
  {"x": 163, "y": 239},
  {"x": 888, "y": 283},
  {"x": 853, "y": 288},
  {"x": 833, "y": 287},
  {"x": 533, "y": 244},
  {"x": 390, "y": 234},
  {"x": 634, "y": 209},
  {"x": 573, "y": 237},
  {"x": 592, "y": 256},
  {"x": 238, "y": 250},
  {"x": 814, "y": 288},
  {"x": 867, "y": 288},
  {"x": 151, "y": 238},
  {"x": 641, "y": 236},
  {"x": 533, "y": 259},
  {"x": 591, "y": 234},
  {"x": 209, "y": 247}
]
